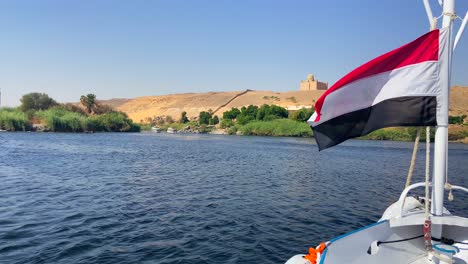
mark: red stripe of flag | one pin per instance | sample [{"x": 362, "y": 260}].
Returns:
[{"x": 425, "y": 48}]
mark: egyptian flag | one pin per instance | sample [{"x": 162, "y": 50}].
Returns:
[{"x": 399, "y": 88}]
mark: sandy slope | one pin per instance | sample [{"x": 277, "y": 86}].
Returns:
[
  {"x": 193, "y": 103},
  {"x": 459, "y": 100}
]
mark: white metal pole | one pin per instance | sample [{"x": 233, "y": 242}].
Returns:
[
  {"x": 441, "y": 136},
  {"x": 460, "y": 31},
  {"x": 430, "y": 17}
]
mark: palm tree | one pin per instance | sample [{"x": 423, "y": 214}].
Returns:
[{"x": 89, "y": 102}]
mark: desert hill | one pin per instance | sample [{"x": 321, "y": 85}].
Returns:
[{"x": 141, "y": 108}]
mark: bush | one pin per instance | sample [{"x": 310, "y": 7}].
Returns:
[
  {"x": 399, "y": 134},
  {"x": 117, "y": 122},
  {"x": 302, "y": 115},
  {"x": 204, "y": 118},
  {"x": 92, "y": 124},
  {"x": 244, "y": 119},
  {"x": 12, "y": 119},
  {"x": 59, "y": 120},
  {"x": 413, "y": 131},
  {"x": 214, "y": 120},
  {"x": 457, "y": 120},
  {"x": 89, "y": 102},
  {"x": 268, "y": 113},
  {"x": 183, "y": 118},
  {"x": 226, "y": 123},
  {"x": 36, "y": 101},
  {"x": 278, "y": 127},
  {"x": 205, "y": 129},
  {"x": 231, "y": 114},
  {"x": 250, "y": 110},
  {"x": 232, "y": 130}
]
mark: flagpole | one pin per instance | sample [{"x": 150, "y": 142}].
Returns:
[{"x": 441, "y": 135}]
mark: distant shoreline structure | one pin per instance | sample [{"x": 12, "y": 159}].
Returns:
[{"x": 312, "y": 84}]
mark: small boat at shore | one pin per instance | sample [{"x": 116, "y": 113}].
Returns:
[
  {"x": 156, "y": 129},
  {"x": 408, "y": 86},
  {"x": 171, "y": 130}
]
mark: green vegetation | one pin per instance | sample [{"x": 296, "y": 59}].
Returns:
[
  {"x": 145, "y": 126},
  {"x": 13, "y": 119},
  {"x": 399, "y": 134},
  {"x": 59, "y": 120},
  {"x": 247, "y": 114},
  {"x": 267, "y": 120},
  {"x": 214, "y": 120},
  {"x": 205, "y": 129},
  {"x": 183, "y": 118},
  {"x": 272, "y": 120},
  {"x": 302, "y": 115},
  {"x": 89, "y": 102},
  {"x": 36, "y": 101},
  {"x": 40, "y": 112},
  {"x": 204, "y": 118},
  {"x": 46, "y": 114},
  {"x": 226, "y": 123},
  {"x": 177, "y": 125},
  {"x": 277, "y": 127},
  {"x": 231, "y": 114},
  {"x": 56, "y": 119},
  {"x": 268, "y": 113},
  {"x": 457, "y": 120},
  {"x": 232, "y": 130},
  {"x": 409, "y": 133}
]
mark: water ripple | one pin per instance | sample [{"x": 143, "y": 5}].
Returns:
[{"x": 155, "y": 198}]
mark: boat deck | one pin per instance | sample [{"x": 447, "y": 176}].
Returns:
[{"x": 460, "y": 258}]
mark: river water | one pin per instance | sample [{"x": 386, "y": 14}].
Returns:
[{"x": 161, "y": 198}]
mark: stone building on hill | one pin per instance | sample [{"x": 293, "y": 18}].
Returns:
[{"x": 311, "y": 84}]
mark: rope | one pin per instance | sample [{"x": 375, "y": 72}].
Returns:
[
  {"x": 428, "y": 153},
  {"x": 400, "y": 240},
  {"x": 413, "y": 158},
  {"x": 427, "y": 227},
  {"x": 369, "y": 250}
]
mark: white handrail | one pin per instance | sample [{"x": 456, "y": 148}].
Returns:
[
  {"x": 405, "y": 193},
  {"x": 454, "y": 187}
]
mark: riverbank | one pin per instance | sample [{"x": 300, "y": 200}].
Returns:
[
  {"x": 291, "y": 128},
  {"x": 60, "y": 119},
  {"x": 267, "y": 120}
]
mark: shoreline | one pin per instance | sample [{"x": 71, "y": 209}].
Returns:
[{"x": 217, "y": 132}]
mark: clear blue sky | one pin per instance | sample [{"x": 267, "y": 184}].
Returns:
[{"x": 133, "y": 48}]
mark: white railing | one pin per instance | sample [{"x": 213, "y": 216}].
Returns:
[{"x": 405, "y": 192}]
